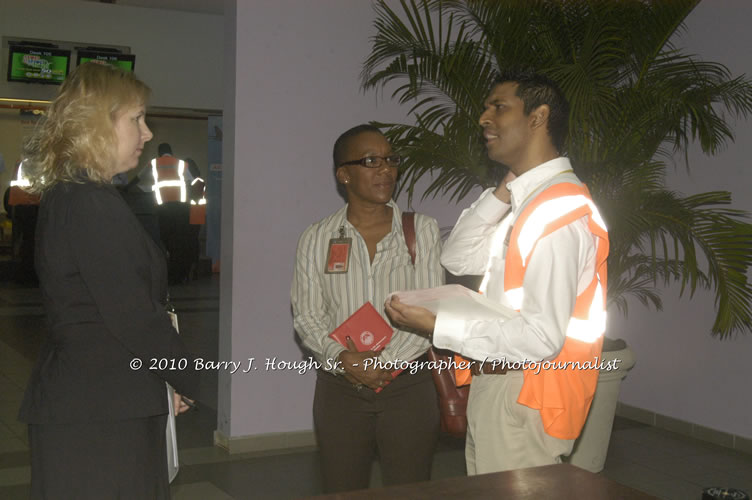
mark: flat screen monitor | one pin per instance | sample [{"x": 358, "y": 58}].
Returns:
[
  {"x": 123, "y": 61},
  {"x": 38, "y": 64}
]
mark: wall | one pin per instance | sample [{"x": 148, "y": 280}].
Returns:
[{"x": 683, "y": 372}]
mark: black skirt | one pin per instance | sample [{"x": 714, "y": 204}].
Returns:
[{"x": 125, "y": 460}]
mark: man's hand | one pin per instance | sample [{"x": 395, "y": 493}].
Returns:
[
  {"x": 418, "y": 319},
  {"x": 501, "y": 192},
  {"x": 356, "y": 371}
]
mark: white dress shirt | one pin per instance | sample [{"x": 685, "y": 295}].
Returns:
[
  {"x": 561, "y": 267},
  {"x": 321, "y": 302}
]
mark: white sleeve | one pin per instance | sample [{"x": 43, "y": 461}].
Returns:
[
  {"x": 561, "y": 263},
  {"x": 467, "y": 249}
]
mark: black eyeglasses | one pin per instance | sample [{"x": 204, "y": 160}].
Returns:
[{"x": 375, "y": 161}]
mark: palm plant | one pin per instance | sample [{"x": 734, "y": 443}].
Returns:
[{"x": 637, "y": 103}]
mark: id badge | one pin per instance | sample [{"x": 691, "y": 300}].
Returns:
[{"x": 338, "y": 256}]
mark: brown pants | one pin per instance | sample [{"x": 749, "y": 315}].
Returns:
[{"x": 400, "y": 424}]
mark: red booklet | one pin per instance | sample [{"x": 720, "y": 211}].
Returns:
[{"x": 368, "y": 331}]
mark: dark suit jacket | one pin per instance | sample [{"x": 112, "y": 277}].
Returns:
[{"x": 104, "y": 284}]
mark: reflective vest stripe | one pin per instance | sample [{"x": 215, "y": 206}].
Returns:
[
  {"x": 586, "y": 330},
  {"x": 20, "y": 180},
  {"x": 172, "y": 177},
  {"x": 17, "y": 195},
  {"x": 198, "y": 190},
  {"x": 548, "y": 212}
]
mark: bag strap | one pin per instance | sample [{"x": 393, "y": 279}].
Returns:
[{"x": 408, "y": 228}]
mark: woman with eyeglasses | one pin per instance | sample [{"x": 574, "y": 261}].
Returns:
[{"x": 360, "y": 410}]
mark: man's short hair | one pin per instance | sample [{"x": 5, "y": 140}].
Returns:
[
  {"x": 164, "y": 149},
  {"x": 343, "y": 141},
  {"x": 535, "y": 90}
]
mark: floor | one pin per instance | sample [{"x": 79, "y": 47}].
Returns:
[{"x": 655, "y": 461}]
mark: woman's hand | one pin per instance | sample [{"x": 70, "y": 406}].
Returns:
[
  {"x": 357, "y": 370},
  {"x": 182, "y": 404}
]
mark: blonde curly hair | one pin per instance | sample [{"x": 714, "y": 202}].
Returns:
[{"x": 76, "y": 141}]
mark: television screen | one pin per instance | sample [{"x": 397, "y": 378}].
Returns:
[
  {"x": 122, "y": 61},
  {"x": 37, "y": 64}
]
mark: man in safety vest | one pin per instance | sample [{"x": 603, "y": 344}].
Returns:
[
  {"x": 172, "y": 181},
  {"x": 541, "y": 245}
]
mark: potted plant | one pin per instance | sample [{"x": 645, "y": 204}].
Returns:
[{"x": 637, "y": 103}]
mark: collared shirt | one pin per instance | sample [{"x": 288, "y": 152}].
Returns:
[
  {"x": 561, "y": 267},
  {"x": 321, "y": 302}
]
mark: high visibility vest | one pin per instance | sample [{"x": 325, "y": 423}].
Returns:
[
  {"x": 198, "y": 202},
  {"x": 563, "y": 392},
  {"x": 169, "y": 179},
  {"x": 17, "y": 195}
]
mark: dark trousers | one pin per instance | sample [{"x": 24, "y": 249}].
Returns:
[
  {"x": 175, "y": 231},
  {"x": 24, "y": 230},
  {"x": 126, "y": 460},
  {"x": 400, "y": 425}
]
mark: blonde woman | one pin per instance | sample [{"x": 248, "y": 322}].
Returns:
[{"x": 95, "y": 407}]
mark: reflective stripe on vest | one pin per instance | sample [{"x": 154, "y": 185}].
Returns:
[
  {"x": 562, "y": 395},
  {"x": 198, "y": 190},
  {"x": 171, "y": 180},
  {"x": 20, "y": 180},
  {"x": 17, "y": 195}
]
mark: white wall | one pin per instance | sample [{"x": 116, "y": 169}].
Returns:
[
  {"x": 682, "y": 371},
  {"x": 178, "y": 54}
]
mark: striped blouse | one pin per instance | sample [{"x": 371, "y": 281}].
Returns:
[{"x": 321, "y": 302}]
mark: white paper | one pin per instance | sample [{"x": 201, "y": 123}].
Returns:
[
  {"x": 457, "y": 300},
  {"x": 173, "y": 465}
]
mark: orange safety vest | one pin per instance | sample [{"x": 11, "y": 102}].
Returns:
[
  {"x": 198, "y": 202},
  {"x": 169, "y": 179},
  {"x": 17, "y": 195},
  {"x": 563, "y": 392}
]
